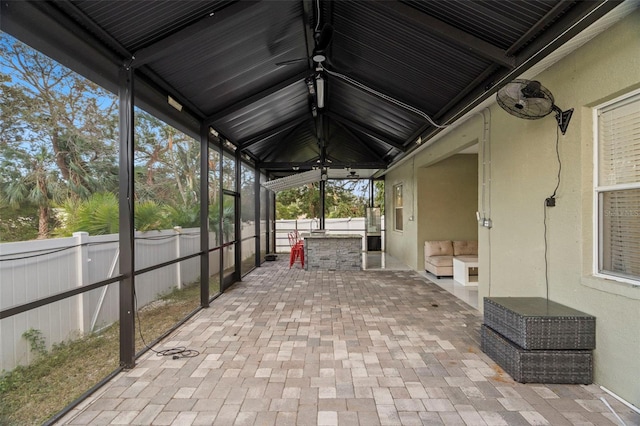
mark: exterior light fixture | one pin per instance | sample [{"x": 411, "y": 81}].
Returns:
[
  {"x": 320, "y": 91},
  {"x": 177, "y": 105}
]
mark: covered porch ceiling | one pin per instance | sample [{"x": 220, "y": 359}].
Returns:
[{"x": 393, "y": 70}]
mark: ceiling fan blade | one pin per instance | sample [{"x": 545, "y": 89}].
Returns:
[
  {"x": 323, "y": 38},
  {"x": 291, "y": 61}
]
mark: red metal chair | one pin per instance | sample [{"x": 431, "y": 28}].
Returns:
[{"x": 297, "y": 249}]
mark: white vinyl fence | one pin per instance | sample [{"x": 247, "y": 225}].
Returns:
[
  {"x": 352, "y": 225},
  {"x": 31, "y": 270}
]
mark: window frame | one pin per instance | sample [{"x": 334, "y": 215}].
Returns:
[
  {"x": 397, "y": 208},
  {"x": 600, "y": 190}
]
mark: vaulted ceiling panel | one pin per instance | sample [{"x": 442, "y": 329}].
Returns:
[
  {"x": 400, "y": 60},
  {"x": 236, "y": 56},
  {"x": 135, "y": 25},
  {"x": 283, "y": 106},
  {"x": 500, "y": 23},
  {"x": 355, "y": 105},
  {"x": 381, "y": 69}
]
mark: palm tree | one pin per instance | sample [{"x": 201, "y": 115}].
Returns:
[{"x": 35, "y": 184}]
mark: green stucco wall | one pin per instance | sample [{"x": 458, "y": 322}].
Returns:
[{"x": 523, "y": 169}]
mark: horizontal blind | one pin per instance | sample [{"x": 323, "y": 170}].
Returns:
[
  {"x": 619, "y": 142},
  {"x": 619, "y": 164},
  {"x": 621, "y": 233}
]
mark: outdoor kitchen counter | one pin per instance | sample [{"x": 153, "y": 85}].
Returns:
[{"x": 332, "y": 252}]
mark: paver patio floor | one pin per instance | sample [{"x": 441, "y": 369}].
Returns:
[{"x": 288, "y": 346}]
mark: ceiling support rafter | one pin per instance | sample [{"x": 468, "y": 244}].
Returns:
[
  {"x": 244, "y": 144},
  {"x": 451, "y": 33},
  {"x": 306, "y": 165},
  {"x": 175, "y": 42},
  {"x": 366, "y": 130},
  {"x": 256, "y": 97}
]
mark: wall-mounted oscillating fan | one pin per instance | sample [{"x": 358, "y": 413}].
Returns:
[{"x": 531, "y": 100}]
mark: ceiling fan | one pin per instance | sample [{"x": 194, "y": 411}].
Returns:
[
  {"x": 322, "y": 38},
  {"x": 530, "y": 100}
]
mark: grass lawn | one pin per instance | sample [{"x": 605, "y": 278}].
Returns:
[{"x": 32, "y": 394}]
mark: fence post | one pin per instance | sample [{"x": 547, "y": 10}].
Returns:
[
  {"x": 82, "y": 273},
  {"x": 178, "y": 231}
]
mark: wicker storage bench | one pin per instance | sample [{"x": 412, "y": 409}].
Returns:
[
  {"x": 539, "y": 341},
  {"x": 536, "y": 323},
  {"x": 538, "y": 366}
]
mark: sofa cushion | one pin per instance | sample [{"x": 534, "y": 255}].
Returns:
[
  {"x": 465, "y": 248},
  {"x": 441, "y": 260},
  {"x": 438, "y": 248}
]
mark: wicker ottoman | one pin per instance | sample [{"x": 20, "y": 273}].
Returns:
[
  {"x": 538, "y": 366},
  {"x": 537, "y": 323}
]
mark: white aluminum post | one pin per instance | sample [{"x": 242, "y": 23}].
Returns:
[
  {"x": 178, "y": 231},
  {"x": 82, "y": 273}
]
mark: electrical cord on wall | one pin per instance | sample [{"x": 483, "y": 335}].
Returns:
[
  {"x": 175, "y": 352},
  {"x": 551, "y": 202},
  {"x": 546, "y": 263}
]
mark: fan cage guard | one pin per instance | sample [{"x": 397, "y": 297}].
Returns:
[{"x": 512, "y": 99}]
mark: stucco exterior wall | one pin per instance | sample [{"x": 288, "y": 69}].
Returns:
[
  {"x": 402, "y": 244},
  {"x": 447, "y": 201},
  {"x": 524, "y": 169}
]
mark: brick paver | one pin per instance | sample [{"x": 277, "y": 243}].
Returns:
[{"x": 288, "y": 346}]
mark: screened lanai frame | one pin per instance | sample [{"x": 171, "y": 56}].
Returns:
[
  {"x": 126, "y": 239},
  {"x": 101, "y": 69}
]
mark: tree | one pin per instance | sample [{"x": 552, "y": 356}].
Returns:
[
  {"x": 169, "y": 161},
  {"x": 36, "y": 186},
  {"x": 343, "y": 198},
  {"x": 58, "y": 129}
]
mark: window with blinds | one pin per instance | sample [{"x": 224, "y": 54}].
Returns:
[
  {"x": 398, "y": 208},
  {"x": 617, "y": 188}
]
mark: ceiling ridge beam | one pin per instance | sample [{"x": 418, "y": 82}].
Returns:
[
  {"x": 366, "y": 130},
  {"x": 173, "y": 42},
  {"x": 451, "y": 33},
  {"x": 230, "y": 109}
]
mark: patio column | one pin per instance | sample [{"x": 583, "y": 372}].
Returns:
[
  {"x": 256, "y": 214},
  {"x": 126, "y": 233},
  {"x": 204, "y": 215},
  {"x": 322, "y": 195}
]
